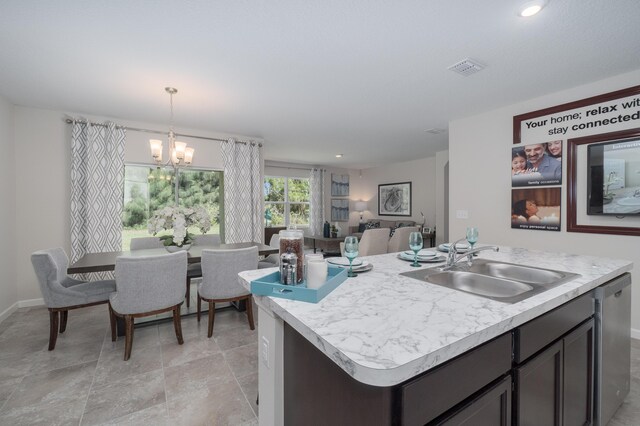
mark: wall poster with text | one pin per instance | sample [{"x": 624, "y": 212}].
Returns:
[
  {"x": 537, "y": 208},
  {"x": 537, "y": 164}
]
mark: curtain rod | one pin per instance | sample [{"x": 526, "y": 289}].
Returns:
[
  {"x": 135, "y": 129},
  {"x": 294, "y": 168}
]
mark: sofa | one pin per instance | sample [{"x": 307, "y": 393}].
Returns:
[{"x": 379, "y": 223}]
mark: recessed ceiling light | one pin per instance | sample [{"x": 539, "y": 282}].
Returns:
[
  {"x": 338, "y": 155},
  {"x": 531, "y": 8}
]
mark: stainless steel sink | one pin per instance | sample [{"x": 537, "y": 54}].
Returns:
[{"x": 501, "y": 281}]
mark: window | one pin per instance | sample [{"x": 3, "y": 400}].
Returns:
[
  {"x": 286, "y": 201},
  {"x": 148, "y": 188}
]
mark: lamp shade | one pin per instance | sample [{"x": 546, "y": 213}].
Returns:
[{"x": 361, "y": 206}]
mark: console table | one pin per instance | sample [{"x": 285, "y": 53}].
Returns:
[{"x": 327, "y": 245}]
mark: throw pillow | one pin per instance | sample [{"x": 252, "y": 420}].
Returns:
[{"x": 372, "y": 225}]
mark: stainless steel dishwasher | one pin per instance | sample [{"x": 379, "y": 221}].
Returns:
[{"x": 613, "y": 347}]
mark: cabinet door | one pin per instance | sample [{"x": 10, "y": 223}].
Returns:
[
  {"x": 491, "y": 408},
  {"x": 578, "y": 376},
  {"x": 539, "y": 388}
]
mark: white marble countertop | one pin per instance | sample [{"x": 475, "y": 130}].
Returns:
[{"x": 383, "y": 328}]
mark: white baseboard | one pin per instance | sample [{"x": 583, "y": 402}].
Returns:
[
  {"x": 11, "y": 309},
  {"x": 30, "y": 303},
  {"x": 635, "y": 333}
]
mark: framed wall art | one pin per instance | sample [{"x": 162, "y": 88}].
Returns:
[
  {"x": 394, "y": 199},
  {"x": 339, "y": 185},
  {"x": 339, "y": 210}
]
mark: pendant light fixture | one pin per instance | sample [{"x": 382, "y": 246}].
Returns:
[{"x": 179, "y": 154}]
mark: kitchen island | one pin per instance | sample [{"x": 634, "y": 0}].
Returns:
[{"x": 383, "y": 329}]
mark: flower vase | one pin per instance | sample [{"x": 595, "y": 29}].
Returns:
[{"x": 173, "y": 249}]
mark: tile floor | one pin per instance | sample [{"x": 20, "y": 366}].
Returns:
[
  {"x": 205, "y": 381},
  {"x": 85, "y": 381}
]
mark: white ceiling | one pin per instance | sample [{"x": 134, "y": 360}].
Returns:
[{"x": 312, "y": 77}]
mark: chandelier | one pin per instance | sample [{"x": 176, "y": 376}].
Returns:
[{"x": 179, "y": 154}]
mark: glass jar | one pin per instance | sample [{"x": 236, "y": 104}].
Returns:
[{"x": 292, "y": 240}]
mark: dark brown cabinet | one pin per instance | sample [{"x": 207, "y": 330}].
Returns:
[
  {"x": 490, "y": 408},
  {"x": 555, "y": 387},
  {"x": 539, "y": 389},
  {"x": 540, "y": 373}
]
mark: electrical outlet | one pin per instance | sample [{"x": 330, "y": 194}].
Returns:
[
  {"x": 265, "y": 351},
  {"x": 462, "y": 214}
]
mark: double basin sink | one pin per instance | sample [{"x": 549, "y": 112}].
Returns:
[{"x": 501, "y": 281}]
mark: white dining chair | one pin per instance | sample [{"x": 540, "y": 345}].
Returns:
[{"x": 399, "y": 241}]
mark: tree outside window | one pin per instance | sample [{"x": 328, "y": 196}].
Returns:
[
  {"x": 286, "y": 201},
  {"x": 147, "y": 189}
]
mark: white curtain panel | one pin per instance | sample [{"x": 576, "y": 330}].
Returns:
[
  {"x": 316, "y": 219},
  {"x": 242, "y": 191},
  {"x": 97, "y": 185}
]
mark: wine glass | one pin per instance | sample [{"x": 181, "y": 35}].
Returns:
[
  {"x": 472, "y": 236},
  {"x": 415, "y": 244},
  {"x": 351, "y": 252}
]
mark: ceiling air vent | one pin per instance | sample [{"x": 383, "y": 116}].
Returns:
[{"x": 466, "y": 67}]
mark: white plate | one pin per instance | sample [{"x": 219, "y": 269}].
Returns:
[
  {"x": 343, "y": 261},
  {"x": 461, "y": 247},
  {"x": 405, "y": 256},
  {"x": 436, "y": 259},
  {"x": 363, "y": 265},
  {"x": 421, "y": 253}
]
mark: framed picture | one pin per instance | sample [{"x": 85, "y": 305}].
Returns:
[
  {"x": 339, "y": 210},
  {"x": 339, "y": 185},
  {"x": 394, "y": 199},
  {"x": 537, "y": 164},
  {"x": 536, "y": 209}
]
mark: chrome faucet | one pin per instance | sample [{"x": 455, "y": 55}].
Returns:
[{"x": 453, "y": 251}]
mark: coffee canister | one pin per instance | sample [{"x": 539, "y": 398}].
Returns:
[
  {"x": 292, "y": 240},
  {"x": 289, "y": 268}
]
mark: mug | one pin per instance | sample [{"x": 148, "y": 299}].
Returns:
[{"x": 317, "y": 271}]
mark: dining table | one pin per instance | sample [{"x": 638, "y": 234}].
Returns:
[{"x": 106, "y": 261}]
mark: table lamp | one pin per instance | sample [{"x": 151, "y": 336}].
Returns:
[{"x": 361, "y": 206}]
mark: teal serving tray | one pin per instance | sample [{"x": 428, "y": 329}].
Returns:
[{"x": 269, "y": 285}]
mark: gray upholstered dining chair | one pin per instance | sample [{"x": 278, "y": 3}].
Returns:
[
  {"x": 142, "y": 243},
  {"x": 147, "y": 285},
  {"x": 220, "y": 280},
  {"x": 399, "y": 241},
  {"x": 272, "y": 260},
  {"x": 62, "y": 293},
  {"x": 194, "y": 270},
  {"x": 373, "y": 241}
]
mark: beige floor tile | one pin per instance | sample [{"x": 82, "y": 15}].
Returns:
[
  {"x": 243, "y": 360},
  {"x": 6, "y": 389},
  {"x": 17, "y": 366},
  {"x": 236, "y": 337},
  {"x": 196, "y": 375},
  {"x": 174, "y": 354},
  {"x": 222, "y": 404},
  {"x": 152, "y": 416},
  {"x": 143, "y": 337},
  {"x": 112, "y": 367},
  {"x": 124, "y": 397},
  {"x": 249, "y": 386},
  {"x": 54, "y": 397},
  {"x": 66, "y": 354}
]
